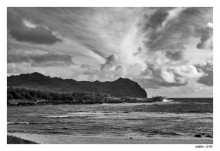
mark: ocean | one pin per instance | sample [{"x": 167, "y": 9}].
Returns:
[{"x": 184, "y": 117}]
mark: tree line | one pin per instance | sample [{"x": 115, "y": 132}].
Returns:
[{"x": 23, "y": 96}]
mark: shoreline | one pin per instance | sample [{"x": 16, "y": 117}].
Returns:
[{"x": 71, "y": 139}]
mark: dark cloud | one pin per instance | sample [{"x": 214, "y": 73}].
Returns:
[
  {"x": 138, "y": 52},
  {"x": 156, "y": 19},
  {"x": 111, "y": 61},
  {"x": 13, "y": 19},
  {"x": 206, "y": 37},
  {"x": 207, "y": 69},
  {"x": 174, "y": 55},
  {"x": 41, "y": 59},
  {"x": 165, "y": 33},
  {"x": 39, "y": 35},
  {"x": 156, "y": 39},
  {"x": 19, "y": 31}
]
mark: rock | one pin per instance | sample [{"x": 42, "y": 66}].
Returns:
[
  {"x": 209, "y": 136},
  {"x": 198, "y": 135}
]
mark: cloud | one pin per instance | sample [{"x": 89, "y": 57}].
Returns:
[
  {"x": 163, "y": 77},
  {"x": 174, "y": 55},
  {"x": 170, "y": 40},
  {"x": 39, "y": 35},
  {"x": 21, "y": 32},
  {"x": 86, "y": 66},
  {"x": 138, "y": 52},
  {"x": 189, "y": 71},
  {"x": 51, "y": 57},
  {"x": 207, "y": 69},
  {"x": 120, "y": 71},
  {"x": 168, "y": 76},
  {"x": 18, "y": 68},
  {"x": 111, "y": 62},
  {"x": 156, "y": 19},
  {"x": 17, "y": 59},
  {"x": 48, "y": 59},
  {"x": 171, "y": 28},
  {"x": 158, "y": 84},
  {"x": 112, "y": 69},
  {"x": 206, "y": 40}
]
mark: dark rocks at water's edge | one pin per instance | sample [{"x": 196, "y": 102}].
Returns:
[
  {"x": 16, "y": 140},
  {"x": 198, "y": 135},
  {"x": 202, "y": 135},
  {"x": 118, "y": 88}
]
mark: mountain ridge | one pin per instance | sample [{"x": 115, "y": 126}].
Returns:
[{"x": 119, "y": 88}]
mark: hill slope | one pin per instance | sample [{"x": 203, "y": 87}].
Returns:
[{"x": 118, "y": 88}]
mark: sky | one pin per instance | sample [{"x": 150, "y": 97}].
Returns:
[{"x": 168, "y": 51}]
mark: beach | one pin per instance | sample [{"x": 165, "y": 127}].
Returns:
[
  {"x": 113, "y": 123},
  {"x": 71, "y": 139}
]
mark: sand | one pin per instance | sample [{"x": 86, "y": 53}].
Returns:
[{"x": 70, "y": 139}]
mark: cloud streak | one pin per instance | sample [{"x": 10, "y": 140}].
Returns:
[{"x": 45, "y": 59}]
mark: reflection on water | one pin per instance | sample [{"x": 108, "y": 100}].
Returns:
[{"x": 176, "y": 119}]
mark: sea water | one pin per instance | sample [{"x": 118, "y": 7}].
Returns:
[{"x": 180, "y": 118}]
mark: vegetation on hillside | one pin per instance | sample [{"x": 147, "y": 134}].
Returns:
[{"x": 23, "y": 96}]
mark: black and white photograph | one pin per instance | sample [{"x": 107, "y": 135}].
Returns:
[{"x": 110, "y": 75}]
